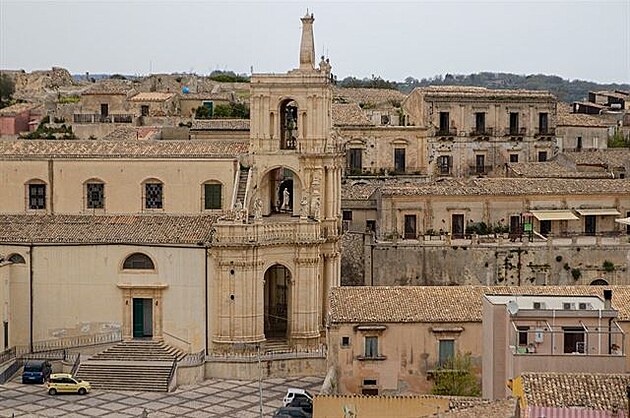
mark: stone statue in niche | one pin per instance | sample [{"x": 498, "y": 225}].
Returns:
[
  {"x": 257, "y": 209},
  {"x": 304, "y": 207},
  {"x": 315, "y": 206},
  {"x": 285, "y": 200}
]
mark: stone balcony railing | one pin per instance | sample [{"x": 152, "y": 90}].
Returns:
[
  {"x": 98, "y": 118},
  {"x": 269, "y": 233}
]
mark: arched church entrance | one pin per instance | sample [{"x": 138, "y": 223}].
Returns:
[{"x": 277, "y": 280}]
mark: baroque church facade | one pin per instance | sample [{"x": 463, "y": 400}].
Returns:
[{"x": 208, "y": 245}]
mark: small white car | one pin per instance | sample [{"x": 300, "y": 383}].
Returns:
[{"x": 293, "y": 393}]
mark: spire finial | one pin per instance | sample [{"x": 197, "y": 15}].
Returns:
[{"x": 307, "y": 44}]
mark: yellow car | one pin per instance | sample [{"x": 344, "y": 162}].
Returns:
[{"x": 65, "y": 383}]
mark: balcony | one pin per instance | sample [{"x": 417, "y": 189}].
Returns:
[
  {"x": 443, "y": 170},
  {"x": 270, "y": 233},
  {"x": 446, "y": 132},
  {"x": 482, "y": 133},
  {"x": 515, "y": 131},
  {"x": 479, "y": 170},
  {"x": 545, "y": 134},
  {"x": 98, "y": 118}
]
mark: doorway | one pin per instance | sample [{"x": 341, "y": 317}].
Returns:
[
  {"x": 142, "y": 318},
  {"x": 590, "y": 224},
  {"x": 457, "y": 225},
  {"x": 276, "y": 315},
  {"x": 573, "y": 340}
]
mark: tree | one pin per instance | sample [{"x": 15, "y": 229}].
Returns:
[
  {"x": 7, "y": 88},
  {"x": 456, "y": 377}
]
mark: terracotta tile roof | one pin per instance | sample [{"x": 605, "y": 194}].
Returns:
[
  {"x": 152, "y": 96},
  {"x": 509, "y": 187},
  {"x": 220, "y": 124},
  {"x": 376, "y": 304},
  {"x": 553, "y": 169},
  {"x": 17, "y": 108},
  {"x": 37, "y": 149},
  {"x": 482, "y": 92},
  {"x": 567, "y": 118},
  {"x": 139, "y": 229},
  {"x": 358, "y": 191},
  {"x": 349, "y": 114},
  {"x": 502, "y": 408},
  {"x": 376, "y": 97},
  {"x": 611, "y": 158},
  {"x": 565, "y": 390}
]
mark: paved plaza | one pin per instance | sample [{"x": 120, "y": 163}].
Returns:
[{"x": 212, "y": 398}]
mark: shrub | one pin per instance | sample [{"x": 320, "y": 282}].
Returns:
[{"x": 608, "y": 266}]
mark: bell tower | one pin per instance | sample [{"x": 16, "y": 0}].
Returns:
[{"x": 292, "y": 209}]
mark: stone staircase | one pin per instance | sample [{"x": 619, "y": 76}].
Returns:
[
  {"x": 242, "y": 185},
  {"x": 276, "y": 345},
  {"x": 136, "y": 365}
]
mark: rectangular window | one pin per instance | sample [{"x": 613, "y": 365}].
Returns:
[
  {"x": 543, "y": 123},
  {"x": 542, "y": 156},
  {"x": 513, "y": 158},
  {"x": 212, "y": 196},
  {"x": 144, "y": 110},
  {"x": 153, "y": 196},
  {"x": 579, "y": 143},
  {"x": 104, "y": 109},
  {"x": 355, "y": 159},
  {"x": 399, "y": 160},
  {"x": 410, "y": 227},
  {"x": 37, "y": 196},
  {"x": 370, "y": 225},
  {"x": 457, "y": 225},
  {"x": 545, "y": 227},
  {"x": 522, "y": 335},
  {"x": 513, "y": 123},
  {"x": 447, "y": 351},
  {"x": 515, "y": 224},
  {"x": 444, "y": 164},
  {"x": 347, "y": 215},
  {"x": 345, "y": 341},
  {"x": 480, "y": 162},
  {"x": 95, "y": 198},
  {"x": 480, "y": 123},
  {"x": 573, "y": 339},
  {"x": 371, "y": 347},
  {"x": 590, "y": 224},
  {"x": 444, "y": 123},
  {"x": 384, "y": 119}
]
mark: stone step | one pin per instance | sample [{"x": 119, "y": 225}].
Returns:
[{"x": 140, "y": 376}]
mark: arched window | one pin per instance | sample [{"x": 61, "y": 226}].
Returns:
[
  {"x": 288, "y": 124},
  {"x": 16, "y": 259},
  {"x": 599, "y": 282},
  {"x": 138, "y": 261}
]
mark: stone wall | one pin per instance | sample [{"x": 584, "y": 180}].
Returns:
[{"x": 501, "y": 264}]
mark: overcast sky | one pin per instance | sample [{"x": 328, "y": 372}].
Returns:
[{"x": 588, "y": 40}]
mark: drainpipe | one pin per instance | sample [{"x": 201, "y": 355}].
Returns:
[
  {"x": 608, "y": 306},
  {"x": 30, "y": 293},
  {"x": 51, "y": 181},
  {"x": 205, "y": 256}
]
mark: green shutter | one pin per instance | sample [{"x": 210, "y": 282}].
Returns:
[{"x": 212, "y": 196}]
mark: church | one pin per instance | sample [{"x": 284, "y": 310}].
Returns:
[{"x": 210, "y": 246}]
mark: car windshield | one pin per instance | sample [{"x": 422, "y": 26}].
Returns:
[{"x": 32, "y": 368}]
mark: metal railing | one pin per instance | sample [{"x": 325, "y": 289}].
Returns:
[
  {"x": 481, "y": 132},
  {"x": 76, "y": 364},
  {"x": 7, "y": 355},
  {"x": 512, "y": 131},
  {"x": 446, "y": 132},
  {"x": 98, "y": 118},
  {"x": 8, "y": 373},
  {"x": 252, "y": 356}
]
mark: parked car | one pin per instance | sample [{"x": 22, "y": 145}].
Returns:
[
  {"x": 293, "y": 393},
  {"x": 66, "y": 383},
  {"x": 303, "y": 403},
  {"x": 291, "y": 412},
  {"x": 36, "y": 371}
]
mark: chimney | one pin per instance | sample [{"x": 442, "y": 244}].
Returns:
[{"x": 607, "y": 299}]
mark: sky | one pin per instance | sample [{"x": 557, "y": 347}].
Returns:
[{"x": 587, "y": 40}]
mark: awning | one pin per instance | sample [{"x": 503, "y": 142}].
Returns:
[
  {"x": 601, "y": 212},
  {"x": 625, "y": 221},
  {"x": 554, "y": 215}
]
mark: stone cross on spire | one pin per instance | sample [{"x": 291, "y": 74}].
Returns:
[{"x": 307, "y": 45}]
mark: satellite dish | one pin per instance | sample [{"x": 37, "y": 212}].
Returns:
[{"x": 512, "y": 307}]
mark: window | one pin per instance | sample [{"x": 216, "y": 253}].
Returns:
[
  {"x": 144, "y": 110},
  {"x": 444, "y": 164},
  {"x": 384, "y": 119},
  {"x": 543, "y": 123},
  {"x": 444, "y": 123},
  {"x": 138, "y": 261},
  {"x": 545, "y": 227},
  {"x": 410, "y": 227},
  {"x": 480, "y": 162},
  {"x": 522, "y": 335},
  {"x": 95, "y": 195},
  {"x": 590, "y": 224},
  {"x": 16, "y": 259},
  {"x": 347, "y": 215},
  {"x": 446, "y": 351},
  {"x": 371, "y": 347},
  {"x": 212, "y": 196},
  {"x": 345, "y": 341},
  {"x": 513, "y": 123},
  {"x": 355, "y": 159},
  {"x": 399, "y": 160},
  {"x": 104, "y": 109},
  {"x": 153, "y": 196},
  {"x": 573, "y": 339},
  {"x": 457, "y": 225},
  {"x": 542, "y": 156},
  {"x": 515, "y": 224},
  {"x": 37, "y": 196},
  {"x": 513, "y": 158},
  {"x": 370, "y": 225},
  {"x": 579, "y": 143},
  {"x": 480, "y": 123}
]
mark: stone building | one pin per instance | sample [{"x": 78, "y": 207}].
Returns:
[
  {"x": 210, "y": 246},
  {"x": 471, "y": 130},
  {"x": 393, "y": 340}
]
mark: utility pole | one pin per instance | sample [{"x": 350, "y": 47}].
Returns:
[{"x": 260, "y": 381}]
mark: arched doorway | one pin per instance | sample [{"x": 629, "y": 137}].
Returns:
[
  {"x": 288, "y": 124},
  {"x": 599, "y": 282},
  {"x": 281, "y": 190},
  {"x": 277, "y": 280}
]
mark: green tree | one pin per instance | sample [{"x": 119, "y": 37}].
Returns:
[
  {"x": 456, "y": 378},
  {"x": 7, "y": 88}
]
